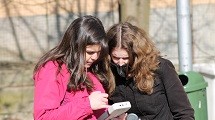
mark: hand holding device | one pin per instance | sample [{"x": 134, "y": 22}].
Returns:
[
  {"x": 98, "y": 100},
  {"x": 115, "y": 110}
]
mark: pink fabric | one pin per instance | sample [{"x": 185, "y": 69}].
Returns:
[{"x": 52, "y": 102}]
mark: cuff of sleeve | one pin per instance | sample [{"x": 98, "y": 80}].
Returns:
[{"x": 86, "y": 105}]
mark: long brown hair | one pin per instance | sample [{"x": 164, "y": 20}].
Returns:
[
  {"x": 83, "y": 31},
  {"x": 143, "y": 55}
]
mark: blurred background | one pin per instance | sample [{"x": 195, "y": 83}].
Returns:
[{"x": 28, "y": 28}]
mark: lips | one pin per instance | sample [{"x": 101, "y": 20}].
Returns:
[{"x": 89, "y": 63}]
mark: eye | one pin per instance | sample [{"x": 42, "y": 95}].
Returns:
[
  {"x": 90, "y": 52},
  {"x": 125, "y": 58},
  {"x": 115, "y": 58}
]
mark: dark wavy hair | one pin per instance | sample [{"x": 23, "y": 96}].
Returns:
[
  {"x": 143, "y": 55},
  {"x": 71, "y": 50}
]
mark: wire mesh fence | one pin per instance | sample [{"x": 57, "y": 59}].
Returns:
[{"x": 29, "y": 28}]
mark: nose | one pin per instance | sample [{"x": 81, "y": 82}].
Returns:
[
  {"x": 94, "y": 56},
  {"x": 121, "y": 62}
]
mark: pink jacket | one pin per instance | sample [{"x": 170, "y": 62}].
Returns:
[{"x": 52, "y": 102}]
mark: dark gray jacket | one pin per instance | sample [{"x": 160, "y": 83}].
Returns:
[{"x": 167, "y": 102}]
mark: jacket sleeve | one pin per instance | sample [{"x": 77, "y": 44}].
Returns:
[
  {"x": 177, "y": 98},
  {"x": 49, "y": 92}
]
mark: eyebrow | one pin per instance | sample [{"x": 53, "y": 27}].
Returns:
[
  {"x": 120, "y": 57},
  {"x": 95, "y": 51},
  {"x": 91, "y": 50}
]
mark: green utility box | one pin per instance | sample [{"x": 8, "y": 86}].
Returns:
[{"x": 195, "y": 87}]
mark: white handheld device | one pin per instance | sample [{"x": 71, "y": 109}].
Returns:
[{"x": 115, "y": 110}]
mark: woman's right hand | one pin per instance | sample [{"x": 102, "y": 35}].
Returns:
[{"x": 98, "y": 100}]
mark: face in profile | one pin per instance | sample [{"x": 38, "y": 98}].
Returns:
[
  {"x": 92, "y": 54},
  {"x": 120, "y": 56}
]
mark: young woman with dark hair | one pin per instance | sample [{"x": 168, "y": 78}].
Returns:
[{"x": 72, "y": 79}]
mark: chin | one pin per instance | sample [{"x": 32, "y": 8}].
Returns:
[{"x": 87, "y": 66}]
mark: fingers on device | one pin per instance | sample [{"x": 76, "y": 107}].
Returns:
[{"x": 115, "y": 110}]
